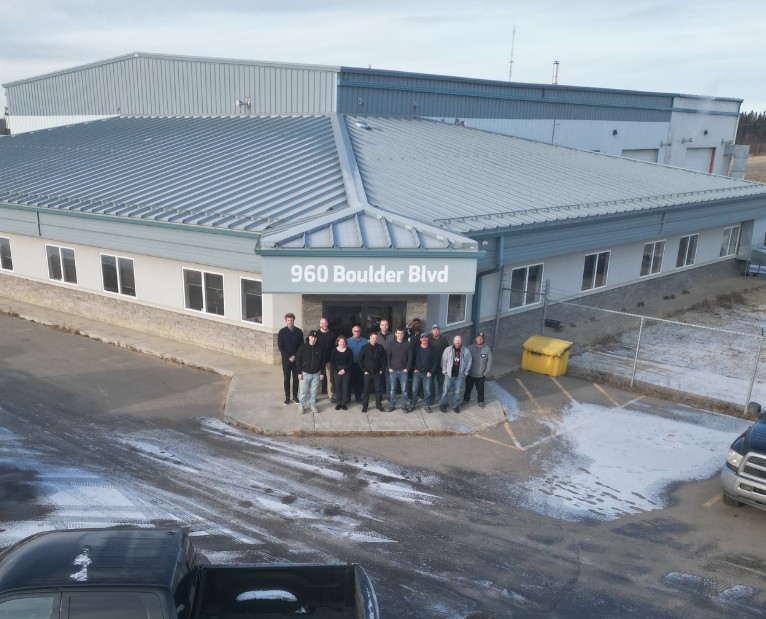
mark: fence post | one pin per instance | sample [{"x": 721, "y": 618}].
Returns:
[
  {"x": 638, "y": 346},
  {"x": 545, "y": 305},
  {"x": 752, "y": 375}
]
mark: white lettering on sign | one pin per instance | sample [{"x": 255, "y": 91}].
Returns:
[{"x": 320, "y": 273}]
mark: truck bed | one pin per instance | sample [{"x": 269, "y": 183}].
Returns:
[{"x": 269, "y": 590}]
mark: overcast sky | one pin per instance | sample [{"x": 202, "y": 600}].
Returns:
[{"x": 700, "y": 47}]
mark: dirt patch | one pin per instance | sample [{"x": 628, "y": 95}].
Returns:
[{"x": 756, "y": 168}]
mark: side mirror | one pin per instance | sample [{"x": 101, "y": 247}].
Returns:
[{"x": 753, "y": 409}]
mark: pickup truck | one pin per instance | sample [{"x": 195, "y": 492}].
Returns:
[
  {"x": 743, "y": 476},
  {"x": 125, "y": 573}
]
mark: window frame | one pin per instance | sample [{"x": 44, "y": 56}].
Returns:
[
  {"x": 61, "y": 264},
  {"x": 526, "y": 292},
  {"x": 594, "y": 275},
  {"x": 120, "y": 284},
  {"x": 5, "y": 243},
  {"x": 242, "y": 299},
  {"x": 465, "y": 309},
  {"x": 686, "y": 261},
  {"x": 733, "y": 240},
  {"x": 653, "y": 258},
  {"x": 205, "y": 309}
]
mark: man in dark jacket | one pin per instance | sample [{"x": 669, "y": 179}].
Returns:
[
  {"x": 326, "y": 339},
  {"x": 289, "y": 340},
  {"x": 424, "y": 365},
  {"x": 398, "y": 362},
  {"x": 439, "y": 343},
  {"x": 308, "y": 362},
  {"x": 385, "y": 337},
  {"x": 372, "y": 362}
]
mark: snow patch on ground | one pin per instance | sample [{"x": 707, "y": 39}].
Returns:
[{"x": 618, "y": 462}]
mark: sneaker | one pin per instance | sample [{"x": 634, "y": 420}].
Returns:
[
  {"x": 364, "y": 409},
  {"x": 390, "y": 409},
  {"x": 296, "y": 400},
  {"x": 315, "y": 410},
  {"x": 380, "y": 408},
  {"x": 338, "y": 407},
  {"x": 301, "y": 410},
  {"x": 287, "y": 400},
  {"x": 481, "y": 404},
  {"x": 443, "y": 408},
  {"x": 465, "y": 401},
  {"x": 343, "y": 407},
  {"x": 456, "y": 409},
  {"x": 428, "y": 409}
]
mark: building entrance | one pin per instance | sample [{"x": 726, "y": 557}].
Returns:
[{"x": 343, "y": 316}]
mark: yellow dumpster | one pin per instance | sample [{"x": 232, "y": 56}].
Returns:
[{"x": 545, "y": 355}]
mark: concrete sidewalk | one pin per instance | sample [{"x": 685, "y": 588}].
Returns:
[{"x": 255, "y": 397}]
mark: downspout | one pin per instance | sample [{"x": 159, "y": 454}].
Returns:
[{"x": 501, "y": 265}]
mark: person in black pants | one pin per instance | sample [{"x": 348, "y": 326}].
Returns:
[
  {"x": 341, "y": 360},
  {"x": 289, "y": 340},
  {"x": 372, "y": 362}
]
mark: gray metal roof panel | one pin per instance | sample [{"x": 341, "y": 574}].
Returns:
[
  {"x": 367, "y": 228},
  {"x": 471, "y": 180},
  {"x": 241, "y": 173}
]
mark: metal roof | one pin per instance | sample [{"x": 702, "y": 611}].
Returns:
[
  {"x": 368, "y": 228},
  {"x": 232, "y": 173},
  {"x": 92, "y": 557},
  {"x": 471, "y": 181}
]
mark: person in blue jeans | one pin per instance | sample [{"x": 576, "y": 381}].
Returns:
[
  {"x": 456, "y": 363},
  {"x": 399, "y": 360},
  {"x": 424, "y": 364}
]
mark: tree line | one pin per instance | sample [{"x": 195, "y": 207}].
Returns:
[{"x": 752, "y": 130}]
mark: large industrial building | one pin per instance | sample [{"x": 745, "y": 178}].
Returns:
[{"x": 202, "y": 199}]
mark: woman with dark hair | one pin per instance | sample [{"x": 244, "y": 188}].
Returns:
[{"x": 341, "y": 359}]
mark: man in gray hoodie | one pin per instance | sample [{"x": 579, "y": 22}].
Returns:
[{"x": 481, "y": 366}]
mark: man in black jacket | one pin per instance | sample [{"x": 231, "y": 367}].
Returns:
[
  {"x": 289, "y": 340},
  {"x": 372, "y": 361},
  {"x": 308, "y": 362},
  {"x": 326, "y": 339},
  {"x": 424, "y": 364}
]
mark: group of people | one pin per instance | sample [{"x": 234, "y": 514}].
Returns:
[{"x": 408, "y": 361}]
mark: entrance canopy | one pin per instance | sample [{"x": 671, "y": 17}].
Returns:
[{"x": 367, "y": 251}]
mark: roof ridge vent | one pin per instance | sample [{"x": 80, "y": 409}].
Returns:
[{"x": 362, "y": 125}]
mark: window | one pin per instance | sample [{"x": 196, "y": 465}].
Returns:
[
  {"x": 729, "y": 243},
  {"x": 115, "y": 605},
  {"x": 5, "y": 254},
  {"x": 118, "y": 275},
  {"x": 61, "y": 264},
  {"x": 456, "y": 308},
  {"x": 594, "y": 271},
  {"x": 252, "y": 301},
  {"x": 652, "y": 261},
  {"x": 25, "y": 607},
  {"x": 203, "y": 291},
  {"x": 526, "y": 283},
  {"x": 687, "y": 250}
]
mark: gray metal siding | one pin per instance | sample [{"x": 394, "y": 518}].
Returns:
[
  {"x": 217, "y": 250},
  {"x": 543, "y": 242},
  {"x": 159, "y": 86},
  {"x": 383, "y": 93},
  {"x": 14, "y": 220}
]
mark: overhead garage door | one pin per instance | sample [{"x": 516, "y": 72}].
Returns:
[
  {"x": 699, "y": 159},
  {"x": 642, "y": 154}
]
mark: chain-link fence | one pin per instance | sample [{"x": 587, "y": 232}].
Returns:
[{"x": 696, "y": 364}]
